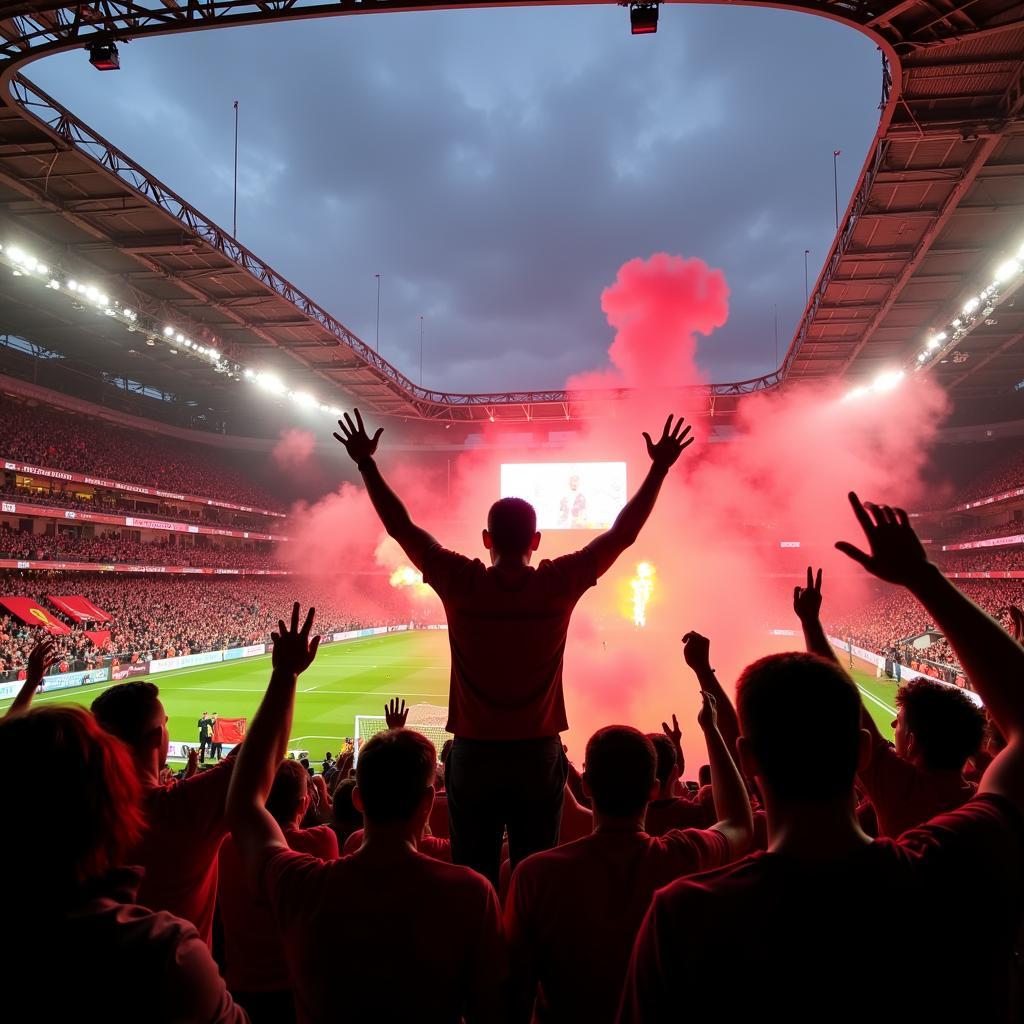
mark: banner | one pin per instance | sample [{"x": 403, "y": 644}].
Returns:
[
  {"x": 31, "y": 563},
  {"x": 32, "y": 615},
  {"x": 244, "y": 652},
  {"x": 1010, "y": 574},
  {"x": 83, "y": 515},
  {"x": 94, "y": 481},
  {"x": 100, "y": 637},
  {"x": 229, "y": 730},
  {"x": 129, "y": 671},
  {"x": 78, "y": 609},
  {"x": 184, "y": 661},
  {"x": 988, "y": 542},
  {"x": 66, "y": 680}
]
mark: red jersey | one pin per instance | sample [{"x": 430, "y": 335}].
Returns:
[
  {"x": 507, "y": 629},
  {"x": 678, "y": 812},
  {"x": 775, "y": 937},
  {"x": 572, "y": 914},
  {"x": 427, "y": 942},
  {"x": 184, "y": 830},
  {"x": 429, "y": 846},
  {"x": 253, "y": 956},
  {"x": 124, "y": 963},
  {"x": 904, "y": 795}
]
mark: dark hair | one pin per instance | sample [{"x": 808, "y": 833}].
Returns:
[
  {"x": 704, "y": 775},
  {"x": 395, "y": 770},
  {"x": 620, "y": 770},
  {"x": 512, "y": 523},
  {"x": 63, "y": 750},
  {"x": 446, "y": 749},
  {"x": 948, "y": 726},
  {"x": 801, "y": 716},
  {"x": 291, "y": 783},
  {"x": 665, "y": 751},
  {"x": 127, "y": 710}
]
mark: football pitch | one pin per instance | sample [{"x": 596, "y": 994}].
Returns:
[{"x": 348, "y": 679}]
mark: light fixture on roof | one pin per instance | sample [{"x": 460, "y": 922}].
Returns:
[
  {"x": 1006, "y": 270},
  {"x": 104, "y": 56},
  {"x": 971, "y": 305},
  {"x": 643, "y": 19}
]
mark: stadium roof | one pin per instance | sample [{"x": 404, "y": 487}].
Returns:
[{"x": 940, "y": 199}]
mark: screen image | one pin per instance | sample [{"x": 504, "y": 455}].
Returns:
[{"x": 568, "y": 495}]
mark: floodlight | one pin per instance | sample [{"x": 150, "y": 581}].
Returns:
[
  {"x": 104, "y": 57},
  {"x": 643, "y": 19}
]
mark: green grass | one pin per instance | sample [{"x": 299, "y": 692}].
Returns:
[{"x": 348, "y": 679}]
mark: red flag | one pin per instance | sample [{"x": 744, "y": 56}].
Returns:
[
  {"x": 229, "y": 730},
  {"x": 78, "y": 608},
  {"x": 100, "y": 637},
  {"x": 32, "y": 615}
]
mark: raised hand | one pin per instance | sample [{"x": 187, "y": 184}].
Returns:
[
  {"x": 293, "y": 650},
  {"x": 897, "y": 555},
  {"x": 395, "y": 714},
  {"x": 707, "y": 717},
  {"x": 675, "y": 734},
  {"x": 670, "y": 445},
  {"x": 697, "y": 652},
  {"x": 807, "y": 600},
  {"x": 354, "y": 437},
  {"x": 40, "y": 659}
]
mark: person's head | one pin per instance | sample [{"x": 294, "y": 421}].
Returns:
[
  {"x": 327, "y": 756},
  {"x": 511, "y": 530},
  {"x": 345, "y": 816},
  {"x": 938, "y": 726},
  {"x": 619, "y": 772},
  {"x": 666, "y": 754},
  {"x": 799, "y": 719},
  {"x": 64, "y": 750},
  {"x": 395, "y": 779},
  {"x": 704, "y": 775},
  {"x": 289, "y": 795},
  {"x": 133, "y": 713}
]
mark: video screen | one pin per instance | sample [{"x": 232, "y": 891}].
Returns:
[{"x": 568, "y": 495}]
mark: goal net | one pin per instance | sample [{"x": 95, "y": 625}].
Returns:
[{"x": 428, "y": 719}]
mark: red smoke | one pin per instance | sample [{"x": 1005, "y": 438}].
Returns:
[
  {"x": 714, "y": 536},
  {"x": 294, "y": 449}
]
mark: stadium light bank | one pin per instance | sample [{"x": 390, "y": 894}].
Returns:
[{"x": 24, "y": 264}]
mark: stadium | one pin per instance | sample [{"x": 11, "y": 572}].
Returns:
[{"x": 182, "y": 460}]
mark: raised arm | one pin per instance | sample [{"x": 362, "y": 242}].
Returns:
[
  {"x": 807, "y": 605},
  {"x": 697, "y": 653},
  {"x": 732, "y": 805},
  {"x": 413, "y": 539},
  {"x": 267, "y": 740},
  {"x": 992, "y": 659},
  {"x": 630, "y": 521},
  {"x": 40, "y": 659}
]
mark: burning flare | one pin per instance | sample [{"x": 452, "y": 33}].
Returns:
[
  {"x": 642, "y": 586},
  {"x": 407, "y": 576}
]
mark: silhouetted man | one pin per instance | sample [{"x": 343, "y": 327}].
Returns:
[
  {"x": 507, "y": 625},
  {"x": 205, "y": 725}
]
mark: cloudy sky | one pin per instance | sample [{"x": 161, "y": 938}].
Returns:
[{"x": 496, "y": 167}]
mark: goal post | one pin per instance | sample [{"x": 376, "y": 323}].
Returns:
[{"x": 427, "y": 719}]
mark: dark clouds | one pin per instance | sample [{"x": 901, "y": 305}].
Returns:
[{"x": 496, "y": 167}]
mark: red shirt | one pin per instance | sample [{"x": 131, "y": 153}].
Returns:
[
  {"x": 429, "y": 846},
  {"x": 677, "y": 812},
  {"x": 572, "y": 914},
  {"x": 439, "y": 816},
  {"x": 506, "y": 629},
  {"x": 122, "y": 963},
  {"x": 427, "y": 942},
  {"x": 904, "y": 795},
  {"x": 773, "y": 937},
  {"x": 253, "y": 957},
  {"x": 185, "y": 827}
]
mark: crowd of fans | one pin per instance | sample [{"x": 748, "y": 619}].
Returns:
[
  {"x": 1001, "y": 529},
  {"x": 164, "y": 616},
  {"x": 985, "y": 560},
  {"x": 111, "y": 547},
  {"x": 1006, "y": 476},
  {"x": 56, "y": 440},
  {"x": 753, "y": 893}
]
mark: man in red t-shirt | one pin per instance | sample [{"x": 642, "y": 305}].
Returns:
[
  {"x": 429, "y": 944},
  {"x": 938, "y": 728},
  {"x": 185, "y": 820},
  {"x": 254, "y": 959},
  {"x": 507, "y": 626},
  {"x": 780, "y": 933},
  {"x": 572, "y": 913},
  {"x": 669, "y": 809}
]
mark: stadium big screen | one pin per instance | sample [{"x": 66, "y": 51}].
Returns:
[{"x": 568, "y": 495}]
